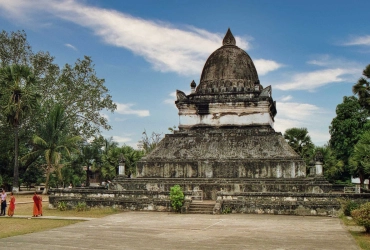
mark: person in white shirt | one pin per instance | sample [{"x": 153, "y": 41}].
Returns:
[{"x": 3, "y": 203}]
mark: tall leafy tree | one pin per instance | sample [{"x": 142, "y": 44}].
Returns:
[
  {"x": 333, "y": 168},
  {"x": 76, "y": 87},
  {"x": 300, "y": 141},
  {"x": 346, "y": 128},
  {"x": 54, "y": 142},
  {"x": 83, "y": 95},
  {"x": 360, "y": 158},
  {"x": 19, "y": 82},
  {"x": 362, "y": 89}
]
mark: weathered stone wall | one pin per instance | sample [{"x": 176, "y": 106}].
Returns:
[
  {"x": 256, "y": 152},
  {"x": 210, "y": 186},
  {"x": 123, "y": 200},
  {"x": 287, "y": 203},
  {"x": 249, "y": 203}
]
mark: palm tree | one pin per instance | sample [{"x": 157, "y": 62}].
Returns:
[
  {"x": 300, "y": 141},
  {"x": 18, "y": 81},
  {"x": 362, "y": 89},
  {"x": 132, "y": 156},
  {"x": 54, "y": 142},
  {"x": 91, "y": 156}
]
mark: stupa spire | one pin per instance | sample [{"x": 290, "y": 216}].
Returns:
[{"x": 229, "y": 39}]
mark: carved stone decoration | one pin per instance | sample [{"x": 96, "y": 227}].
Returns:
[
  {"x": 180, "y": 95},
  {"x": 266, "y": 92},
  {"x": 229, "y": 39}
]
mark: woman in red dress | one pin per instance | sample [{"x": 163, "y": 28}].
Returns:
[
  {"x": 36, "y": 205},
  {"x": 11, "y": 205}
]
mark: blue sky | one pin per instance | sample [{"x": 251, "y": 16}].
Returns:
[{"x": 310, "y": 52}]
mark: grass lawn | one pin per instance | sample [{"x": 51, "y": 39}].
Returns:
[
  {"x": 361, "y": 237},
  {"x": 17, "y": 226},
  {"x": 26, "y": 209}
]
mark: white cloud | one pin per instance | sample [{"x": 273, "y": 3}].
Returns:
[
  {"x": 327, "y": 61},
  {"x": 125, "y": 109},
  {"x": 171, "y": 100},
  {"x": 315, "y": 79},
  {"x": 70, "y": 46},
  {"x": 264, "y": 66},
  {"x": 286, "y": 98},
  {"x": 359, "y": 40},
  {"x": 166, "y": 47},
  {"x": 303, "y": 115}
]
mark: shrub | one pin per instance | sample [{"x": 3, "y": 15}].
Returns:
[
  {"x": 176, "y": 197},
  {"x": 362, "y": 216},
  {"x": 81, "y": 206},
  {"x": 62, "y": 206},
  {"x": 226, "y": 210},
  {"x": 348, "y": 206}
]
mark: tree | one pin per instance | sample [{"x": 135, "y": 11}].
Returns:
[
  {"x": 360, "y": 159},
  {"x": 90, "y": 155},
  {"x": 332, "y": 168},
  {"x": 362, "y": 89},
  {"x": 107, "y": 166},
  {"x": 76, "y": 87},
  {"x": 347, "y": 127},
  {"x": 83, "y": 96},
  {"x": 132, "y": 156},
  {"x": 300, "y": 141},
  {"x": 22, "y": 99},
  {"x": 54, "y": 142},
  {"x": 150, "y": 143}
]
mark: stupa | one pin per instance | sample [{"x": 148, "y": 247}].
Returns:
[{"x": 226, "y": 127}]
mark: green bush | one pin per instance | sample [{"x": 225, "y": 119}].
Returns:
[
  {"x": 348, "y": 206},
  {"x": 226, "y": 210},
  {"x": 176, "y": 197},
  {"x": 62, "y": 206},
  {"x": 81, "y": 206},
  {"x": 362, "y": 216}
]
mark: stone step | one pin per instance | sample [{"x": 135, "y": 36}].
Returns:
[{"x": 201, "y": 208}]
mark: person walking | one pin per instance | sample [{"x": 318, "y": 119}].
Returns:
[
  {"x": 36, "y": 205},
  {"x": 11, "y": 205},
  {"x": 3, "y": 203}
]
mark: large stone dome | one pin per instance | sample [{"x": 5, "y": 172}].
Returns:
[{"x": 228, "y": 69}]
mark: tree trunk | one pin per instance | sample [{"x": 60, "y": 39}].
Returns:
[
  {"x": 46, "y": 189},
  {"x": 16, "y": 162},
  {"x": 88, "y": 176},
  {"x": 362, "y": 179}
]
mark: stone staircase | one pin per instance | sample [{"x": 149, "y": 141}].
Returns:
[{"x": 201, "y": 207}]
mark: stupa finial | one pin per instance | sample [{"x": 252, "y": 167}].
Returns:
[{"x": 229, "y": 39}]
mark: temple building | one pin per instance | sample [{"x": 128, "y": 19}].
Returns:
[
  {"x": 225, "y": 151},
  {"x": 226, "y": 127}
]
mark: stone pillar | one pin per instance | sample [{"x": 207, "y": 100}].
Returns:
[
  {"x": 121, "y": 166},
  {"x": 319, "y": 158}
]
